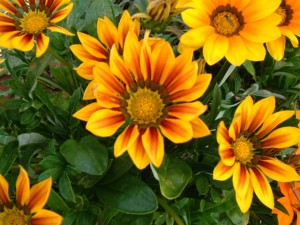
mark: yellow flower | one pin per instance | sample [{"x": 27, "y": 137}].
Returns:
[
  {"x": 291, "y": 203},
  {"x": 24, "y": 25},
  {"x": 289, "y": 27},
  {"x": 28, "y": 207},
  {"x": 92, "y": 50},
  {"x": 148, "y": 95},
  {"x": 247, "y": 147},
  {"x": 235, "y": 29}
]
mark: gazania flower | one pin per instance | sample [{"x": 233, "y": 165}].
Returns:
[
  {"x": 291, "y": 203},
  {"x": 23, "y": 25},
  {"x": 29, "y": 203},
  {"x": 92, "y": 50},
  {"x": 289, "y": 27},
  {"x": 247, "y": 147},
  {"x": 150, "y": 97},
  {"x": 234, "y": 29}
]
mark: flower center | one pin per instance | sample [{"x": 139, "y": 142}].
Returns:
[
  {"x": 243, "y": 150},
  {"x": 227, "y": 20},
  {"x": 145, "y": 106},
  {"x": 285, "y": 12},
  {"x": 13, "y": 216},
  {"x": 34, "y": 22}
]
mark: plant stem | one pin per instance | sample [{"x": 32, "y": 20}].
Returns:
[{"x": 169, "y": 210}]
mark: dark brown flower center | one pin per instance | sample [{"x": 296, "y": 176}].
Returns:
[{"x": 285, "y": 12}]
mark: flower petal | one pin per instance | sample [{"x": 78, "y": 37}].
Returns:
[
  {"x": 42, "y": 42},
  {"x": 222, "y": 134},
  {"x": 85, "y": 70},
  {"x": 92, "y": 46},
  {"x": 244, "y": 202},
  {"x": 107, "y": 32},
  {"x": 232, "y": 55},
  {"x": 187, "y": 111},
  {"x": 154, "y": 145},
  {"x": 24, "y": 42},
  {"x": 59, "y": 29},
  {"x": 61, "y": 14},
  {"x": 277, "y": 170},
  {"x": 4, "y": 190},
  {"x": 283, "y": 137},
  {"x": 226, "y": 154},
  {"x": 82, "y": 54},
  {"x": 22, "y": 187},
  {"x": 283, "y": 218},
  {"x": 200, "y": 129},
  {"x": 126, "y": 139},
  {"x": 276, "y": 48},
  {"x": 222, "y": 172},
  {"x": 46, "y": 217},
  {"x": 39, "y": 194},
  {"x": 176, "y": 130},
  {"x": 86, "y": 112},
  {"x": 105, "y": 122},
  {"x": 240, "y": 179},
  {"x": 262, "y": 188}
]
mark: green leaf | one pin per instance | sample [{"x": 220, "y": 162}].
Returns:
[
  {"x": 248, "y": 65},
  {"x": 123, "y": 218},
  {"x": 65, "y": 188},
  {"x": 55, "y": 173},
  {"x": 9, "y": 155},
  {"x": 202, "y": 184},
  {"x": 56, "y": 203},
  {"x": 174, "y": 174},
  {"x": 51, "y": 161},
  {"x": 237, "y": 217},
  {"x": 31, "y": 138},
  {"x": 88, "y": 155},
  {"x": 128, "y": 194}
]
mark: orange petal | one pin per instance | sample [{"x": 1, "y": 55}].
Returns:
[
  {"x": 61, "y": 14},
  {"x": 277, "y": 170},
  {"x": 262, "y": 188},
  {"x": 126, "y": 139},
  {"x": 4, "y": 195},
  {"x": 202, "y": 83},
  {"x": 22, "y": 187},
  {"x": 222, "y": 134},
  {"x": 82, "y": 54},
  {"x": 46, "y": 217},
  {"x": 39, "y": 194},
  {"x": 24, "y": 42},
  {"x": 85, "y": 70},
  {"x": 86, "y": 112},
  {"x": 145, "y": 60},
  {"x": 200, "y": 129},
  {"x": 105, "y": 98},
  {"x": 176, "y": 130},
  {"x": 154, "y": 145},
  {"x": 283, "y": 137},
  {"x": 244, "y": 202},
  {"x": 273, "y": 121},
  {"x": 42, "y": 42},
  {"x": 259, "y": 112},
  {"x": 240, "y": 179},
  {"x": 92, "y": 46},
  {"x": 226, "y": 154},
  {"x": 59, "y": 29},
  {"x": 7, "y": 6},
  {"x": 222, "y": 172},
  {"x": 89, "y": 92},
  {"x": 105, "y": 122},
  {"x": 283, "y": 218},
  {"x": 187, "y": 111},
  {"x": 107, "y": 32},
  {"x": 138, "y": 154}
]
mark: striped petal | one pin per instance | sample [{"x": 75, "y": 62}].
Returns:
[
  {"x": 58, "y": 3},
  {"x": 39, "y": 194},
  {"x": 86, "y": 112},
  {"x": 105, "y": 122},
  {"x": 92, "y": 46},
  {"x": 138, "y": 154},
  {"x": 61, "y": 14},
  {"x": 200, "y": 129},
  {"x": 154, "y": 145},
  {"x": 82, "y": 54},
  {"x": 85, "y": 70},
  {"x": 22, "y": 187},
  {"x": 244, "y": 202},
  {"x": 277, "y": 170},
  {"x": 262, "y": 188},
  {"x": 283, "y": 137},
  {"x": 176, "y": 130},
  {"x": 23, "y": 42},
  {"x": 240, "y": 180},
  {"x": 7, "y": 6},
  {"x": 222, "y": 172},
  {"x": 222, "y": 134},
  {"x": 107, "y": 32},
  {"x": 187, "y": 111},
  {"x": 59, "y": 29},
  {"x": 226, "y": 154},
  {"x": 126, "y": 139},
  {"x": 42, "y": 43},
  {"x": 46, "y": 217},
  {"x": 4, "y": 194}
]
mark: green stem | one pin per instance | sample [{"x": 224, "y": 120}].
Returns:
[
  {"x": 169, "y": 210},
  {"x": 217, "y": 79}
]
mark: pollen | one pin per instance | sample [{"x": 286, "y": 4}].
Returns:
[
  {"x": 145, "y": 106},
  {"x": 226, "y": 23},
  {"x": 34, "y": 22},
  {"x": 13, "y": 216},
  {"x": 243, "y": 150}
]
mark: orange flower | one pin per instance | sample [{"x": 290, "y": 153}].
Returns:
[
  {"x": 298, "y": 117},
  {"x": 247, "y": 147},
  {"x": 291, "y": 202},
  {"x": 28, "y": 208},
  {"x": 92, "y": 50},
  {"x": 24, "y": 25},
  {"x": 289, "y": 27},
  {"x": 149, "y": 96}
]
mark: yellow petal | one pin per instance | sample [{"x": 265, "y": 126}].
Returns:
[
  {"x": 234, "y": 56},
  {"x": 61, "y": 14},
  {"x": 256, "y": 51},
  {"x": 92, "y": 46},
  {"x": 154, "y": 145},
  {"x": 105, "y": 98},
  {"x": 23, "y": 42},
  {"x": 226, "y": 154},
  {"x": 262, "y": 188},
  {"x": 59, "y": 29},
  {"x": 107, "y": 32},
  {"x": 222, "y": 172},
  {"x": 105, "y": 122},
  {"x": 222, "y": 134},
  {"x": 187, "y": 111},
  {"x": 82, "y": 54},
  {"x": 85, "y": 70},
  {"x": 89, "y": 92},
  {"x": 276, "y": 48},
  {"x": 288, "y": 33},
  {"x": 200, "y": 129},
  {"x": 244, "y": 202},
  {"x": 126, "y": 139},
  {"x": 278, "y": 170},
  {"x": 22, "y": 187},
  {"x": 86, "y": 112},
  {"x": 283, "y": 137},
  {"x": 4, "y": 195},
  {"x": 240, "y": 179},
  {"x": 273, "y": 121},
  {"x": 138, "y": 154},
  {"x": 39, "y": 194},
  {"x": 46, "y": 217},
  {"x": 42, "y": 42},
  {"x": 176, "y": 130}
]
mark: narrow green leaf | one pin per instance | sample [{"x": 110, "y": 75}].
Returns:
[
  {"x": 65, "y": 188},
  {"x": 9, "y": 154}
]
